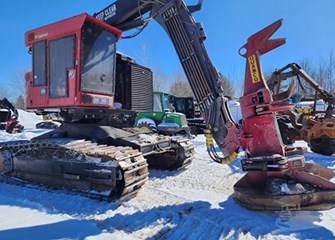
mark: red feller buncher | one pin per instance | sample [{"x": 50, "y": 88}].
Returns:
[{"x": 75, "y": 71}]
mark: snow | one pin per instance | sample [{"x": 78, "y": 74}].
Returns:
[
  {"x": 28, "y": 119},
  {"x": 193, "y": 204}
]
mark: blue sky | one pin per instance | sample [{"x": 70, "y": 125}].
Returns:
[{"x": 308, "y": 27}]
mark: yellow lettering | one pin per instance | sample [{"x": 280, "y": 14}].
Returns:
[{"x": 254, "y": 69}]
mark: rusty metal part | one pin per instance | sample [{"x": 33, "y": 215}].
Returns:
[
  {"x": 303, "y": 188},
  {"x": 320, "y": 135},
  {"x": 317, "y": 129},
  {"x": 82, "y": 166},
  {"x": 318, "y": 132}
]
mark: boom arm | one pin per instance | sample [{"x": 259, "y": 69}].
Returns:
[
  {"x": 294, "y": 70},
  {"x": 188, "y": 37}
]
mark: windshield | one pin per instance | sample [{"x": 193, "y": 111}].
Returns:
[
  {"x": 98, "y": 55},
  {"x": 166, "y": 103},
  {"x": 157, "y": 103}
]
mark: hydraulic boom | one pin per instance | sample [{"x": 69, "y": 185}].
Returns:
[
  {"x": 268, "y": 161},
  {"x": 188, "y": 39}
]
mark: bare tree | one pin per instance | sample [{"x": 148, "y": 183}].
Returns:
[
  {"x": 160, "y": 80},
  {"x": 17, "y": 85},
  {"x": 329, "y": 84},
  {"x": 19, "y": 104},
  {"x": 323, "y": 73},
  {"x": 2, "y": 93},
  {"x": 181, "y": 87},
  {"x": 308, "y": 66},
  {"x": 226, "y": 85}
]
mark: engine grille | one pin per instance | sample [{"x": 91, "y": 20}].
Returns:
[
  {"x": 141, "y": 88},
  {"x": 134, "y": 85}
]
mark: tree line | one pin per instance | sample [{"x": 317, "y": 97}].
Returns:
[
  {"x": 181, "y": 87},
  {"x": 321, "y": 70},
  {"x": 14, "y": 90}
]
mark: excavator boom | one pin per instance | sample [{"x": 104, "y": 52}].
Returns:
[
  {"x": 268, "y": 161},
  {"x": 188, "y": 38}
]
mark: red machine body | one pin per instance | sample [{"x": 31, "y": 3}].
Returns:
[
  {"x": 260, "y": 131},
  {"x": 271, "y": 166},
  {"x": 59, "y": 79}
]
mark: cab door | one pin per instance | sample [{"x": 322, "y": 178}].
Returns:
[
  {"x": 61, "y": 64},
  {"x": 36, "y": 81},
  {"x": 53, "y": 79}
]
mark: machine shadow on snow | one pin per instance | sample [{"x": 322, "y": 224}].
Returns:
[
  {"x": 161, "y": 174},
  {"x": 68, "y": 229},
  {"x": 183, "y": 221},
  {"x": 187, "y": 221},
  {"x": 53, "y": 201},
  {"x": 322, "y": 160}
]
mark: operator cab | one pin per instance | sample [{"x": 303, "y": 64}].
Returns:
[{"x": 73, "y": 64}]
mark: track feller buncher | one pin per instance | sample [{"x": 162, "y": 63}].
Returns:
[{"x": 73, "y": 72}]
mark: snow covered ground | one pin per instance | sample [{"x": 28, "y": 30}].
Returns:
[{"x": 193, "y": 204}]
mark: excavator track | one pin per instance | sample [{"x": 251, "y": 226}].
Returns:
[
  {"x": 177, "y": 157},
  {"x": 97, "y": 171},
  {"x": 162, "y": 152},
  {"x": 166, "y": 152}
]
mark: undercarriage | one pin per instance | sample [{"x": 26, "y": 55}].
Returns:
[
  {"x": 110, "y": 164},
  {"x": 99, "y": 171}
]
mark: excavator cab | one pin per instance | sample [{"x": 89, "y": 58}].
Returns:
[{"x": 73, "y": 64}]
